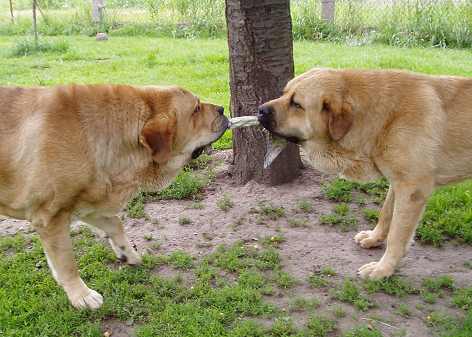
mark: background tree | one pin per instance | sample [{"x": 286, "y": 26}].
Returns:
[
  {"x": 261, "y": 63},
  {"x": 35, "y": 23}
]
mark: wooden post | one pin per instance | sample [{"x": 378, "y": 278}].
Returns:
[
  {"x": 35, "y": 25},
  {"x": 97, "y": 11},
  {"x": 327, "y": 10},
  {"x": 261, "y": 63}
]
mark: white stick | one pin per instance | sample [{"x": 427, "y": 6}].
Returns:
[{"x": 242, "y": 122}]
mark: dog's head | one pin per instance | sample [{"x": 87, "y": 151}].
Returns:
[
  {"x": 179, "y": 124},
  {"x": 311, "y": 109}
]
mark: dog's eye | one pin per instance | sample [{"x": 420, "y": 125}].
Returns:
[{"x": 296, "y": 105}]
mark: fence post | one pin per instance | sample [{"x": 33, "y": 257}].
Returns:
[
  {"x": 97, "y": 10},
  {"x": 327, "y": 10},
  {"x": 35, "y": 25}
]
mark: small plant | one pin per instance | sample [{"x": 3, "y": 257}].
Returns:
[
  {"x": 363, "y": 331},
  {"x": 270, "y": 211},
  {"x": 148, "y": 237},
  {"x": 468, "y": 264},
  {"x": 186, "y": 185},
  {"x": 371, "y": 215},
  {"x": 395, "y": 286},
  {"x": 196, "y": 205},
  {"x": 339, "y": 312},
  {"x": 318, "y": 281},
  {"x": 403, "y": 310},
  {"x": 339, "y": 190},
  {"x": 320, "y": 326},
  {"x": 341, "y": 218},
  {"x": 300, "y": 304},
  {"x": 135, "y": 207},
  {"x": 285, "y": 280},
  {"x": 225, "y": 203},
  {"x": 180, "y": 260},
  {"x": 297, "y": 223},
  {"x": 348, "y": 292},
  {"x": 462, "y": 298},
  {"x": 438, "y": 283},
  {"x": 305, "y": 206},
  {"x": 328, "y": 271},
  {"x": 184, "y": 221},
  {"x": 273, "y": 241},
  {"x": 429, "y": 297}
]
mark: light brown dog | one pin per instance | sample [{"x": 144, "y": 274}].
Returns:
[
  {"x": 82, "y": 152},
  {"x": 413, "y": 129}
]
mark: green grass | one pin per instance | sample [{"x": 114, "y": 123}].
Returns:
[
  {"x": 340, "y": 217},
  {"x": 349, "y": 292},
  {"x": 225, "y": 203}
]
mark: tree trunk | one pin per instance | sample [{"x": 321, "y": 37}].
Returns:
[
  {"x": 327, "y": 10},
  {"x": 261, "y": 63},
  {"x": 97, "y": 10},
  {"x": 35, "y": 24},
  {"x": 11, "y": 12}
]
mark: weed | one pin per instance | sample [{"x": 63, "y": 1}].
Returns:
[
  {"x": 135, "y": 207},
  {"x": 297, "y": 222},
  {"x": 340, "y": 217},
  {"x": 403, "y": 310},
  {"x": 318, "y": 281},
  {"x": 328, "y": 271},
  {"x": 273, "y": 241},
  {"x": 395, "y": 286},
  {"x": 339, "y": 312},
  {"x": 462, "y": 298},
  {"x": 371, "y": 215},
  {"x": 301, "y": 304},
  {"x": 348, "y": 292},
  {"x": 363, "y": 331},
  {"x": 339, "y": 190},
  {"x": 225, "y": 203},
  {"x": 184, "y": 221},
  {"x": 305, "y": 206},
  {"x": 284, "y": 280},
  {"x": 26, "y": 47},
  {"x": 186, "y": 185},
  {"x": 319, "y": 326},
  {"x": 180, "y": 260}
]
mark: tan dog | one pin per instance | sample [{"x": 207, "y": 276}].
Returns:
[
  {"x": 82, "y": 152},
  {"x": 413, "y": 129}
]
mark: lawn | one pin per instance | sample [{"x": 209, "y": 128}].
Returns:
[{"x": 229, "y": 291}]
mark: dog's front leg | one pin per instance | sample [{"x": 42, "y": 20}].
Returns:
[
  {"x": 114, "y": 230},
  {"x": 57, "y": 244},
  {"x": 374, "y": 238},
  {"x": 410, "y": 200}
]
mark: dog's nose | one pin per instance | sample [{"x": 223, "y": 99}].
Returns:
[
  {"x": 264, "y": 111},
  {"x": 221, "y": 110}
]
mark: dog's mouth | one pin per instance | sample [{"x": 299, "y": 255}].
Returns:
[{"x": 198, "y": 151}]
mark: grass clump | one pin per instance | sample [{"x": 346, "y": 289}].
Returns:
[
  {"x": 462, "y": 298},
  {"x": 284, "y": 280},
  {"x": 181, "y": 260},
  {"x": 363, "y": 331},
  {"x": 305, "y": 206},
  {"x": 135, "y": 207},
  {"x": 186, "y": 185},
  {"x": 395, "y": 286},
  {"x": 319, "y": 326},
  {"x": 341, "y": 218},
  {"x": 225, "y": 203},
  {"x": 185, "y": 221},
  {"x": 299, "y": 304},
  {"x": 348, "y": 292},
  {"x": 371, "y": 215},
  {"x": 27, "y": 47}
]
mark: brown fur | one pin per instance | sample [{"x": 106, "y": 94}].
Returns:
[
  {"x": 412, "y": 129},
  {"x": 82, "y": 151}
]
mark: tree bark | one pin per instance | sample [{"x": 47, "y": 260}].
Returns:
[
  {"x": 327, "y": 10},
  {"x": 261, "y": 62},
  {"x": 11, "y": 12}
]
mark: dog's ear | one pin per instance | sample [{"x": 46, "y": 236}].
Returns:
[
  {"x": 339, "y": 118},
  {"x": 158, "y": 136}
]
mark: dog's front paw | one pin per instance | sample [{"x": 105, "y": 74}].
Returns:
[
  {"x": 88, "y": 299},
  {"x": 368, "y": 239},
  {"x": 375, "y": 271}
]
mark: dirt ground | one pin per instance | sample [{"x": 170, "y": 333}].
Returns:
[{"x": 305, "y": 250}]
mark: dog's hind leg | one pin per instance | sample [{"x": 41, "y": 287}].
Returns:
[
  {"x": 57, "y": 244},
  {"x": 114, "y": 230},
  {"x": 410, "y": 200},
  {"x": 374, "y": 238}
]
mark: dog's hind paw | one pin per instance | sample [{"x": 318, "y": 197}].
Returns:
[
  {"x": 368, "y": 239},
  {"x": 91, "y": 300}
]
